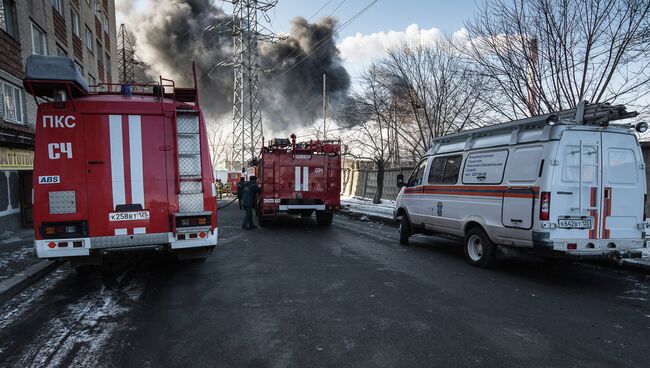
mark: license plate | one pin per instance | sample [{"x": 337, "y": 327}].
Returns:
[
  {"x": 128, "y": 216},
  {"x": 574, "y": 223}
]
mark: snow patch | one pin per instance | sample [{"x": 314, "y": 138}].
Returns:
[{"x": 366, "y": 207}]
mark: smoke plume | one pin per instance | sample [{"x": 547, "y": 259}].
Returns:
[{"x": 171, "y": 34}]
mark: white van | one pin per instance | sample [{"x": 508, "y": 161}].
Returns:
[{"x": 564, "y": 184}]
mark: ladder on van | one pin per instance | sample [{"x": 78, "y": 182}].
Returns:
[{"x": 190, "y": 188}]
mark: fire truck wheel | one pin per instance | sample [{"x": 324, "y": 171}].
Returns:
[
  {"x": 324, "y": 218},
  {"x": 405, "y": 230},
  {"x": 479, "y": 249}
]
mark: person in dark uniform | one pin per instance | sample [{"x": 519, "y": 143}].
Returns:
[
  {"x": 248, "y": 198},
  {"x": 240, "y": 187}
]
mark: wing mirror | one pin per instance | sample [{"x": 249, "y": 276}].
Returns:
[{"x": 400, "y": 180}]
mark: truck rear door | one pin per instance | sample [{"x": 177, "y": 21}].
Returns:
[
  {"x": 126, "y": 174},
  {"x": 575, "y": 205},
  {"x": 623, "y": 187}
]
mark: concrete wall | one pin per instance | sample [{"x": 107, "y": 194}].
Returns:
[{"x": 363, "y": 183}]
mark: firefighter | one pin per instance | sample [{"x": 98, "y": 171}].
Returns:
[
  {"x": 249, "y": 193},
  {"x": 228, "y": 187},
  {"x": 220, "y": 188},
  {"x": 240, "y": 187}
]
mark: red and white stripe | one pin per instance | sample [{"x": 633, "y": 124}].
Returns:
[{"x": 126, "y": 164}]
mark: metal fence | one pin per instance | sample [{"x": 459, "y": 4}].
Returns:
[{"x": 363, "y": 183}]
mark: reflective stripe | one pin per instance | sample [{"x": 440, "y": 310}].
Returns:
[
  {"x": 120, "y": 232},
  {"x": 297, "y": 179},
  {"x": 305, "y": 179},
  {"x": 140, "y": 230},
  {"x": 135, "y": 145},
  {"x": 117, "y": 160}
]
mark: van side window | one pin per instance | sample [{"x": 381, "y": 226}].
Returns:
[
  {"x": 437, "y": 169},
  {"x": 444, "y": 170},
  {"x": 525, "y": 164}
]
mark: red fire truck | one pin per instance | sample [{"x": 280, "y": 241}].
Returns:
[
  {"x": 299, "y": 178},
  {"x": 120, "y": 170},
  {"x": 233, "y": 179}
]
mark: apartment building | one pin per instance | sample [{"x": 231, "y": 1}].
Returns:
[{"x": 83, "y": 30}]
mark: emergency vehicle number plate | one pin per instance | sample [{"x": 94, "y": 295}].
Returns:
[
  {"x": 128, "y": 216},
  {"x": 574, "y": 223}
]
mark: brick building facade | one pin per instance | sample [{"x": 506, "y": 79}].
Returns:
[{"x": 83, "y": 30}]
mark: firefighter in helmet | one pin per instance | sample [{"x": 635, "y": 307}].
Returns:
[
  {"x": 220, "y": 188},
  {"x": 228, "y": 187},
  {"x": 248, "y": 197}
]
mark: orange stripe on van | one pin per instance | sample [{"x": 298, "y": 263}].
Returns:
[
  {"x": 607, "y": 210},
  {"x": 477, "y": 191},
  {"x": 593, "y": 232}
]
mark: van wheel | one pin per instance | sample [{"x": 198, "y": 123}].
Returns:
[
  {"x": 405, "y": 231},
  {"x": 479, "y": 249}
]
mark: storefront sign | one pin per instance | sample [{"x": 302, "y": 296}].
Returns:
[{"x": 16, "y": 159}]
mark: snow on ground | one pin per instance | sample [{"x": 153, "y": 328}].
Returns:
[{"x": 365, "y": 206}]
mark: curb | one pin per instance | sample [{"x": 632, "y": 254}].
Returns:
[
  {"x": 356, "y": 215},
  {"x": 22, "y": 280}
]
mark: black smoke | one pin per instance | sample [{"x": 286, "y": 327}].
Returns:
[{"x": 174, "y": 33}]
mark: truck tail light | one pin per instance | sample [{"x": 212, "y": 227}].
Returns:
[
  {"x": 545, "y": 206},
  {"x": 191, "y": 221},
  {"x": 64, "y": 230}
]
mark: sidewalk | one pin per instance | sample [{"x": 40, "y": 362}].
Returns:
[
  {"x": 366, "y": 210},
  {"x": 16, "y": 252}
]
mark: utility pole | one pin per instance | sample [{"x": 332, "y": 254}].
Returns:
[
  {"x": 128, "y": 60},
  {"x": 324, "y": 106},
  {"x": 247, "y": 116}
]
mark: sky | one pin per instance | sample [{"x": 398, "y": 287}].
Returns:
[{"x": 384, "y": 23}]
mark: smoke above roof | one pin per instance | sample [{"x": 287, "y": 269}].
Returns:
[{"x": 171, "y": 34}]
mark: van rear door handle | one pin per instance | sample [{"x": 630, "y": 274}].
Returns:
[{"x": 516, "y": 220}]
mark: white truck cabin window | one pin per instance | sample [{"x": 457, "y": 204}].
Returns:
[
  {"x": 416, "y": 176},
  {"x": 485, "y": 167},
  {"x": 525, "y": 164}
]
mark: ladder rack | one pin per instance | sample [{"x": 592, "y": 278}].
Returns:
[{"x": 584, "y": 114}]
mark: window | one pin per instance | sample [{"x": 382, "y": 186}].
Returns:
[
  {"x": 444, "y": 170},
  {"x": 100, "y": 54},
  {"x": 485, "y": 167},
  {"x": 621, "y": 166},
  {"x": 8, "y": 17},
  {"x": 39, "y": 41},
  {"x": 91, "y": 80},
  {"x": 571, "y": 163},
  {"x": 60, "y": 51},
  {"x": 88, "y": 39},
  {"x": 74, "y": 22},
  {"x": 13, "y": 102},
  {"x": 417, "y": 174},
  {"x": 56, "y": 4},
  {"x": 525, "y": 164},
  {"x": 107, "y": 66},
  {"x": 81, "y": 68}
]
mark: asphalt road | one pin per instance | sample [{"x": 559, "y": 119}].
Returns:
[{"x": 298, "y": 295}]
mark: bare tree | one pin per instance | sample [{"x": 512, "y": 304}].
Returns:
[
  {"x": 547, "y": 55},
  {"x": 369, "y": 116},
  {"x": 434, "y": 93},
  {"x": 218, "y": 142}
]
